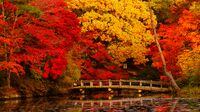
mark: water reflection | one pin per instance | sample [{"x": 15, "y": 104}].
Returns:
[{"x": 143, "y": 104}]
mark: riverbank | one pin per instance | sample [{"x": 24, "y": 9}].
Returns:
[
  {"x": 13, "y": 93},
  {"x": 31, "y": 88},
  {"x": 190, "y": 92},
  {"x": 160, "y": 103}
]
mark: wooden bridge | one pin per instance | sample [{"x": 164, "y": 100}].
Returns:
[{"x": 154, "y": 86}]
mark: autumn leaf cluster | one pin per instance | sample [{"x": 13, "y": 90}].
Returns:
[{"x": 92, "y": 39}]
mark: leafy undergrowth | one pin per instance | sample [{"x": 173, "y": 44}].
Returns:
[
  {"x": 6, "y": 92},
  {"x": 32, "y": 88}
]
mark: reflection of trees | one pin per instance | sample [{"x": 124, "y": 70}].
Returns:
[
  {"x": 168, "y": 106},
  {"x": 46, "y": 105},
  {"x": 125, "y": 104},
  {"x": 8, "y": 106},
  {"x": 37, "y": 105},
  {"x": 174, "y": 105}
]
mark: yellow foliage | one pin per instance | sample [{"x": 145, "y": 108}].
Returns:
[
  {"x": 163, "y": 4},
  {"x": 124, "y": 24},
  {"x": 72, "y": 72},
  {"x": 195, "y": 7},
  {"x": 180, "y": 1},
  {"x": 189, "y": 61}
]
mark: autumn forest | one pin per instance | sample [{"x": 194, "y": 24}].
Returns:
[{"x": 46, "y": 45}]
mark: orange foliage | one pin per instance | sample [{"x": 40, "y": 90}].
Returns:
[{"x": 176, "y": 38}]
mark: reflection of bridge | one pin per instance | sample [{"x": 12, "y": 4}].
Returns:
[
  {"x": 112, "y": 103},
  {"x": 142, "y": 104},
  {"x": 156, "y": 86}
]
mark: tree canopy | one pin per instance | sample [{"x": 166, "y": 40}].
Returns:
[
  {"x": 123, "y": 26},
  {"x": 93, "y": 39}
]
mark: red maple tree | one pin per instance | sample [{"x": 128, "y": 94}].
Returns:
[
  {"x": 175, "y": 38},
  {"x": 49, "y": 38},
  {"x": 39, "y": 43},
  {"x": 11, "y": 40},
  {"x": 97, "y": 61}
]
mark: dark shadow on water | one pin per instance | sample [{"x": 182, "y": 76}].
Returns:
[{"x": 161, "y": 103}]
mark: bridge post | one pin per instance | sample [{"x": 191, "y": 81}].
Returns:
[
  {"x": 100, "y": 83},
  {"x": 120, "y": 82},
  {"x": 81, "y": 83},
  {"x": 91, "y": 83},
  {"x": 140, "y": 83},
  {"x": 109, "y": 83}
]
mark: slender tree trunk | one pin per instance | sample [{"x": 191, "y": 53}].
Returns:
[
  {"x": 174, "y": 104},
  {"x": 167, "y": 73},
  {"x": 8, "y": 79},
  {"x": 5, "y": 46}
]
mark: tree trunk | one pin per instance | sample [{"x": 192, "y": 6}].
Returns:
[
  {"x": 5, "y": 46},
  {"x": 166, "y": 72},
  {"x": 8, "y": 79}
]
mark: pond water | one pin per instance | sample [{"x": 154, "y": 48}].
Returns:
[{"x": 163, "y": 103}]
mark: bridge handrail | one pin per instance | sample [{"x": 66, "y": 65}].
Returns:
[{"x": 121, "y": 82}]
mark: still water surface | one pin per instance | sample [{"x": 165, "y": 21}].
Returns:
[{"x": 116, "y": 104}]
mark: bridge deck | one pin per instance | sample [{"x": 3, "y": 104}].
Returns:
[{"x": 157, "y": 86}]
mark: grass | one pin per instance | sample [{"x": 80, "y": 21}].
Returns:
[{"x": 190, "y": 92}]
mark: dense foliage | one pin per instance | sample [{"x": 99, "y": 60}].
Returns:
[
  {"x": 180, "y": 42},
  {"x": 36, "y": 40},
  {"x": 63, "y": 41},
  {"x": 122, "y": 26}
]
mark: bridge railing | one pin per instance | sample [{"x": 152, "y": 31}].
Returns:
[{"x": 120, "y": 83}]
